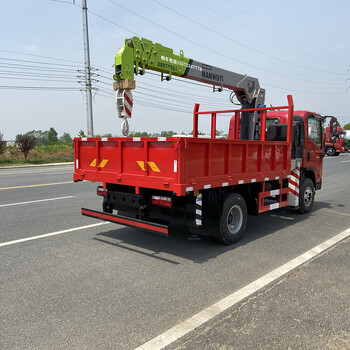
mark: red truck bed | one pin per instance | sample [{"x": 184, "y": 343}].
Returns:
[{"x": 179, "y": 164}]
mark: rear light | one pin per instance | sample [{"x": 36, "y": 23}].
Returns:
[
  {"x": 163, "y": 201},
  {"x": 101, "y": 191}
]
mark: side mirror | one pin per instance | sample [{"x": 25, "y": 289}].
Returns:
[{"x": 333, "y": 125}]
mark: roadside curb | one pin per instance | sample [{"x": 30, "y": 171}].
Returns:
[{"x": 35, "y": 165}]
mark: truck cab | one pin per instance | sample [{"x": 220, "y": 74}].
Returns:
[
  {"x": 307, "y": 144},
  {"x": 333, "y": 147}
]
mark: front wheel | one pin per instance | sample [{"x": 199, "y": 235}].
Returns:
[
  {"x": 233, "y": 219},
  {"x": 307, "y": 196},
  {"x": 330, "y": 151}
]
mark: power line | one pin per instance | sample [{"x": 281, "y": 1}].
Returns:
[
  {"x": 40, "y": 75},
  {"x": 39, "y": 79},
  {"x": 276, "y": 29},
  {"x": 37, "y": 68},
  {"x": 244, "y": 45},
  {"x": 17, "y": 87},
  {"x": 175, "y": 101},
  {"x": 111, "y": 22},
  {"x": 216, "y": 52},
  {"x": 306, "y": 92},
  {"x": 38, "y": 62},
  {"x": 152, "y": 104},
  {"x": 184, "y": 95},
  {"x": 39, "y": 56},
  {"x": 263, "y": 36}
]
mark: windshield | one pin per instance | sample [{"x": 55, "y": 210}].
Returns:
[{"x": 271, "y": 121}]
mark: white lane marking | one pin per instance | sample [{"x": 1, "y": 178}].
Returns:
[
  {"x": 345, "y": 161},
  {"x": 5, "y": 173},
  {"x": 207, "y": 314},
  {"x": 39, "y": 200},
  {"x": 60, "y": 172},
  {"x": 39, "y": 185},
  {"x": 52, "y": 234}
]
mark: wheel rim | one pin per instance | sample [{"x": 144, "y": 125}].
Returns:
[
  {"x": 308, "y": 196},
  {"x": 235, "y": 219}
]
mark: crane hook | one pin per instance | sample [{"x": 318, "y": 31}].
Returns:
[{"x": 125, "y": 127}]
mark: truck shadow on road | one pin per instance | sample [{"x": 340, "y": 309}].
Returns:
[{"x": 177, "y": 246}]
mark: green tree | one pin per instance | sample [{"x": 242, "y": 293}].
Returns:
[
  {"x": 41, "y": 137},
  {"x": 52, "y": 136},
  {"x": 25, "y": 144},
  {"x": 104, "y": 135},
  {"x": 139, "y": 134},
  {"x": 347, "y": 126},
  {"x": 66, "y": 139},
  {"x": 2, "y": 143},
  {"x": 167, "y": 133},
  {"x": 81, "y": 134}
]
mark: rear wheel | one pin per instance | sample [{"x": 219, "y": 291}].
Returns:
[
  {"x": 233, "y": 220},
  {"x": 307, "y": 196}
]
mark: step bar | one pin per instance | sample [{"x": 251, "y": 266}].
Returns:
[{"x": 123, "y": 220}]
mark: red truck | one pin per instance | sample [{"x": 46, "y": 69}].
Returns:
[
  {"x": 338, "y": 144},
  {"x": 271, "y": 159}
]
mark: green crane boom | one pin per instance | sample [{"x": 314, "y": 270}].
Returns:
[
  {"x": 142, "y": 54},
  {"x": 139, "y": 55}
]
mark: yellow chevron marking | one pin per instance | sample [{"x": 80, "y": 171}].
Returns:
[
  {"x": 141, "y": 164},
  {"x": 93, "y": 163},
  {"x": 103, "y": 163},
  {"x": 154, "y": 167}
]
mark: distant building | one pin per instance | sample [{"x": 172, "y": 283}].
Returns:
[{"x": 10, "y": 143}]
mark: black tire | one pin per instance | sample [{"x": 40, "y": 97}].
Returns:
[
  {"x": 330, "y": 151},
  {"x": 233, "y": 219},
  {"x": 307, "y": 196}
]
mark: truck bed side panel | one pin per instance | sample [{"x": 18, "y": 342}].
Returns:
[{"x": 177, "y": 164}]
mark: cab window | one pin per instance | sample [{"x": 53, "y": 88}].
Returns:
[
  {"x": 315, "y": 131},
  {"x": 272, "y": 121}
]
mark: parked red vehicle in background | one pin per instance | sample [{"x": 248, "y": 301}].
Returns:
[{"x": 333, "y": 147}]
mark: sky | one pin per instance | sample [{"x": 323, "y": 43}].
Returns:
[{"x": 293, "y": 47}]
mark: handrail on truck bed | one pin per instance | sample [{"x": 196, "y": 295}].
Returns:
[{"x": 238, "y": 112}]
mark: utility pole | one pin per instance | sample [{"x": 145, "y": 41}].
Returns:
[{"x": 90, "y": 127}]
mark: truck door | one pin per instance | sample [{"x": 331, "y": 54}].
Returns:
[{"x": 314, "y": 146}]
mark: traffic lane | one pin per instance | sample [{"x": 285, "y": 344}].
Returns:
[
  {"x": 334, "y": 166},
  {"x": 40, "y": 210},
  {"x": 200, "y": 274},
  {"x": 16, "y": 194},
  {"x": 307, "y": 309},
  {"x": 112, "y": 286},
  {"x": 335, "y": 185},
  {"x": 31, "y": 176},
  {"x": 23, "y": 220}
]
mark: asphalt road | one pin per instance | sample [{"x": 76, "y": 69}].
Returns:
[{"x": 103, "y": 286}]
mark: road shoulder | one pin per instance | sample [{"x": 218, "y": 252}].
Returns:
[{"x": 307, "y": 309}]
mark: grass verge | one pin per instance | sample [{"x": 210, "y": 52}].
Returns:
[{"x": 38, "y": 155}]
